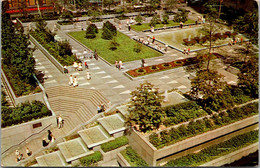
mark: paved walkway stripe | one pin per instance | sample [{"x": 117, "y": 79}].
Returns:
[
  {"x": 50, "y": 81},
  {"x": 113, "y": 81},
  {"x": 40, "y": 67},
  {"x": 101, "y": 72},
  {"x": 105, "y": 77},
  {"x": 118, "y": 87},
  {"x": 83, "y": 84},
  {"x": 173, "y": 81},
  {"x": 165, "y": 77},
  {"x": 95, "y": 68},
  {"x": 182, "y": 87},
  {"x": 126, "y": 92}
]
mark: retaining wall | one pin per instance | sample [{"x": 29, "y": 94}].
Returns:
[
  {"x": 150, "y": 154},
  {"x": 122, "y": 161}
]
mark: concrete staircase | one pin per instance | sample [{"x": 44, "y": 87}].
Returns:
[{"x": 75, "y": 105}]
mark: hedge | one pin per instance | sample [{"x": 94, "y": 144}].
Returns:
[
  {"x": 133, "y": 158},
  {"x": 215, "y": 151},
  {"x": 114, "y": 144},
  {"x": 200, "y": 126},
  {"x": 91, "y": 159},
  {"x": 23, "y": 113},
  {"x": 61, "y": 51},
  {"x": 183, "y": 112}
]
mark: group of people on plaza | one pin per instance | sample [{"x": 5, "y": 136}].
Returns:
[
  {"x": 119, "y": 65},
  {"x": 186, "y": 51},
  {"x": 101, "y": 108},
  {"x": 235, "y": 40},
  {"x": 19, "y": 156},
  {"x": 50, "y": 138},
  {"x": 73, "y": 81}
]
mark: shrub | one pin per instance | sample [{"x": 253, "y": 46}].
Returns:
[
  {"x": 110, "y": 27},
  {"x": 139, "y": 19},
  {"x": 133, "y": 158},
  {"x": 114, "y": 144},
  {"x": 92, "y": 159},
  {"x": 91, "y": 31},
  {"x": 155, "y": 20},
  {"x": 138, "y": 47},
  {"x": 165, "y": 18}
]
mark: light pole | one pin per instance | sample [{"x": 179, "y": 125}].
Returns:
[{"x": 219, "y": 8}]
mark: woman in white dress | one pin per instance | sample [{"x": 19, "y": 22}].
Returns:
[
  {"x": 75, "y": 82},
  {"x": 71, "y": 80},
  {"x": 88, "y": 75}
]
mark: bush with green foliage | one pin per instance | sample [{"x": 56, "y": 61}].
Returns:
[
  {"x": 61, "y": 51},
  {"x": 165, "y": 18},
  {"x": 155, "y": 20},
  {"x": 114, "y": 144},
  {"x": 138, "y": 47},
  {"x": 110, "y": 27},
  {"x": 133, "y": 158},
  {"x": 214, "y": 151},
  {"x": 17, "y": 59},
  {"x": 91, "y": 160},
  {"x": 139, "y": 19},
  {"x": 66, "y": 16},
  {"x": 194, "y": 128},
  {"x": 183, "y": 112},
  {"x": 23, "y": 113},
  {"x": 91, "y": 31},
  {"x": 181, "y": 15}
]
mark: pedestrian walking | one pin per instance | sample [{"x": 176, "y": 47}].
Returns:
[
  {"x": 60, "y": 122},
  {"x": 75, "y": 82},
  {"x": 75, "y": 65},
  {"x": 129, "y": 27},
  {"x": 103, "y": 107},
  {"x": 85, "y": 53},
  {"x": 181, "y": 25},
  {"x": 164, "y": 26},
  {"x": 99, "y": 109},
  {"x": 28, "y": 152},
  {"x": 120, "y": 65},
  {"x": 166, "y": 47},
  {"x": 188, "y": 51},
  {"x": 71, "y": 80},
  {"x": 184, "y": 50},
  {"x": 241, "y": 40},
  {"x": 116, "y": 64},
  {"x": 65, "y": 70},
  {"x": 80, "y": 67},
  {"x": 44, "y": 142},
  {"x": 86, "y": 64},
  {"x": 95, "y": 55},
  {"x": 143, "y": 62},
  {"x": 88, "y": 75},
  {"x": 153, "y": 39},
  {"x": 49, "y": 135}
]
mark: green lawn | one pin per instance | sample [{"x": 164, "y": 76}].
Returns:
[
  {"x": 145, "y": 26},
  {"x": 125, "y": 52}
]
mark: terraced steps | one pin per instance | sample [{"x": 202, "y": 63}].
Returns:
[{"x": 75, "y": 105}]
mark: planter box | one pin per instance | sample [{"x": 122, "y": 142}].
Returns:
[
  {"x": 111, "y": 155},
  {"x": 229, "y": 158},
  {"x": 151, "y": 154}
]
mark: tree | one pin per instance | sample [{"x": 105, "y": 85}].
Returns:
[
  {"x": 248, "y": 76},
  {"x": 181, "y": 16},
  {"x": 66, "y": 16},
  {"x": 155, "y": 20},
  {"x": 108, "y": 3},
  {"x": 109, "y": 30},
  {"x": 206, "y": 83},
  {"x": 165, "y": 18},
  {"x": 153, "y": 5},
  {"x": 91, "y": 31},
  {"x": 139, "y": 19},
  {"x": 171, "y": 4},
  {"x": 107, "y": 34},
  {"x": 248, "y": 24},
  {"x": 145, "y": 109}
]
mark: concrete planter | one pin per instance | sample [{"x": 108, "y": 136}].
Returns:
[
  {"x": 151, "y": 154},
  {"x": 111, "y": 155},
  {"x": 229, "y": 158}
]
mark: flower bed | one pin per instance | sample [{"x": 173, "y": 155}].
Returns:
[
  {"x": 133, "y": 158},
  {"x": 165, "y": 66}
]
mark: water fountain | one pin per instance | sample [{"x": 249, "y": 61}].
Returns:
[
  {"x": 200, "y": 35},
  {"x": 189, "y": 37},
  {"x": 166, "y": 99}
]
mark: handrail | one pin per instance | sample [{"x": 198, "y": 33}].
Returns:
[
  {"x": 9, "y": 92},
  {"x": 25, "y": 139}
]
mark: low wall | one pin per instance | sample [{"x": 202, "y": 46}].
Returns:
[
  {"x": 230, "y": 158},
  {"x": 150, "y": 154},
  {"x": 25, "y": 132},
  {"x": 47, "y": 54},
  {"x": 65, "y": 27},
  {"x": 233, "y": 70}
]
